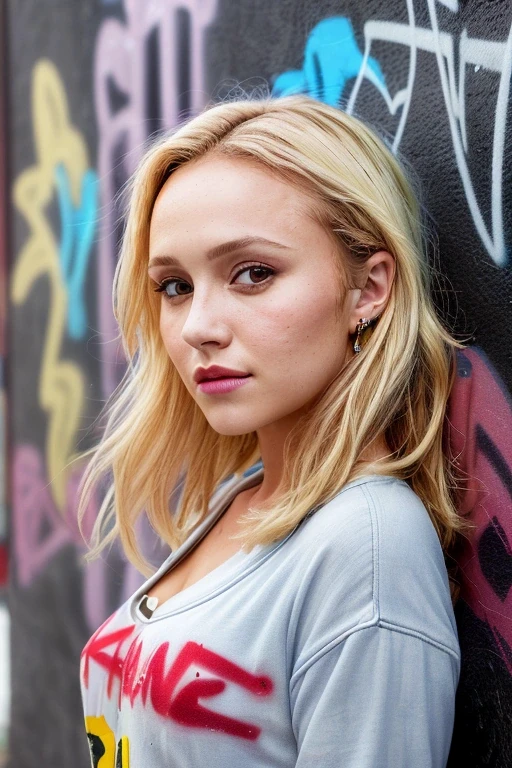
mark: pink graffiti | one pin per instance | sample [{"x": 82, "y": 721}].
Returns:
[
  {"x": 480, "y": 418},
  {"x": 120, "y": 63},
  {"x": 40, "y": 531},
  {"x": 3, "y": 565}
]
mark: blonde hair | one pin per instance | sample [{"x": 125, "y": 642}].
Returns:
[{"x": 156, "y": 435}]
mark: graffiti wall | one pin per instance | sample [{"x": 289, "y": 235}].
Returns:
[
  {"x": 90, "y": 82},
  {"x": 4, "y": 614}
]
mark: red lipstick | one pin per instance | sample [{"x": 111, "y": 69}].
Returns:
[
  {"x": 217, "y": 372},
  {"x": 219, "y": 380}
]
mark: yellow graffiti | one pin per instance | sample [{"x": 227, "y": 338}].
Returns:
[
  {"x": 102, "y": 745},
  {"x": 102, "y": 742},
  {"x": 123, "y": 753},
  {"x": 61, "y": 385}
]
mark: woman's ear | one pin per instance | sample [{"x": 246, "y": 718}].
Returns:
[{"x": 374, "y": 294}]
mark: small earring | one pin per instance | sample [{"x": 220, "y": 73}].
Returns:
[{"x": 361, "y": 326}]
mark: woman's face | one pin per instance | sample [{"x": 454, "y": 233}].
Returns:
[{"x": 250, "y": 284}]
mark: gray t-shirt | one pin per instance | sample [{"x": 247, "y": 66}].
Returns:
[{"x": 335, "y": 647}]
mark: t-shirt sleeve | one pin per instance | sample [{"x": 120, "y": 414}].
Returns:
[{"x": 381, "y": 697}]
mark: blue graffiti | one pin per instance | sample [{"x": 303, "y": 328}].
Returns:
[
  {"x": 331, "y": 58},
  {"x": 78, "y": 226}
]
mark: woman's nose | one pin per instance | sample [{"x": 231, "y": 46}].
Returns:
[{"x": 207, "y": 319}]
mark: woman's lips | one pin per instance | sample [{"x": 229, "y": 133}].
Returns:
[{"x": 221, "y": 386}]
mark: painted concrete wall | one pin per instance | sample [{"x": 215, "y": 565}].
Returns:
[
  {"x": 89, "y": 82},
  {"x": 4, "y": 614}
]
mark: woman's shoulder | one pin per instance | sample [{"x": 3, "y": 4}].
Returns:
[
  {"x": 378, "y": 514},
  {"x": 371, "y": 556}
]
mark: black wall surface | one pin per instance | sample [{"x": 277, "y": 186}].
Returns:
[{"x": 88, "y": 83}]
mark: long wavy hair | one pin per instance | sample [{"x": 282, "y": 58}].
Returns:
[{"x": 156, "y": 437}]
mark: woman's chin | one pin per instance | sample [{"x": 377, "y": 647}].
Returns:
[
  {"x": 230, "y": 429},
  {"x": 232, "y": 423}
]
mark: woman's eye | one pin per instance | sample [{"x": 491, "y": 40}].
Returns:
[
  {"x": 171, "y": 283},
  {"x": 257, "y": 274}
]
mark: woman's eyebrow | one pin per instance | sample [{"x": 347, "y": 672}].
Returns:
[{"x": 219, "y": 250}]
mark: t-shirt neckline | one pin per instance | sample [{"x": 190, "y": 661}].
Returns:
[
  {"x": 209, "y": 583},
  {"x": 228, "y": 572}
]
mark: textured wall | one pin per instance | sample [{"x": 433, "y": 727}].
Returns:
[
  {"x": 4, "y": 616},
  {"x": 88, "y": 83}
]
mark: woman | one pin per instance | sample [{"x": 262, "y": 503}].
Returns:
[{"x": 272, "y": 295}]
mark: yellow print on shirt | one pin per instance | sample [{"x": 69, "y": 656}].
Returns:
[{"x": 102, "y": 745}]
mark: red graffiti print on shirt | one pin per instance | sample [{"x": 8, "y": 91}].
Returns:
[
  {"x": 185, "y": 708},
  {"x": 95, "y": 650},
  {"x": 150, "y": 680}
]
